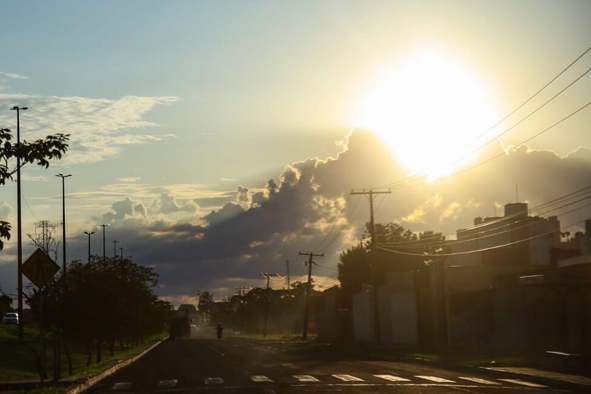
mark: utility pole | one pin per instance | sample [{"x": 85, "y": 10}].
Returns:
[
  {"x": 308, "y": 290},
  {"x": 241, "y": 290},
  {"x": 19, "y": 224},
  {"x": 115, "y": 242},
  {"x": 373, "y": 273},
  {"x": 268, "y": 276},
  {"x": 104, "y": 255},
  {"x": 287, "y": 279}
]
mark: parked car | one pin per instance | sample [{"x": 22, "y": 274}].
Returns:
[{"x": 10, "y": 318}]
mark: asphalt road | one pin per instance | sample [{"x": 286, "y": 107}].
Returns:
[{"x": 206, "y": 365}]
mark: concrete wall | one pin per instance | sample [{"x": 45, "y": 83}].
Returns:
[{"x": 363, "y": 316}]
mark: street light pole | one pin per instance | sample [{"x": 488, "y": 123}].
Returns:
[
  {"x": 89, "y": 234},
  {"x": 115, "y": 242},
  {"x": 64, "y": 222},
  {"x": 19, "y": 223},
  {"x": 121, "y": 250},
  {"x": 104, "y": 255}
]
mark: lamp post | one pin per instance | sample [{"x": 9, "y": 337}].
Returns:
[
  {"x": 115, "y": 242},
  {"x": 89, "y": 234},
  {"x": 64, "y": 222},
  {"x": 121, "y": 250},
  {"x": 19, "y": 224},
  {"x": 104, "y": 255}
]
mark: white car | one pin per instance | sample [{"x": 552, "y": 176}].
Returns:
[{"x": 10, "y": 318}]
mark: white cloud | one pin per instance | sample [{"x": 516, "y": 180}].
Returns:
[
  {"x": 13, "y": 75},
  {"x": 98, "y": 127}
]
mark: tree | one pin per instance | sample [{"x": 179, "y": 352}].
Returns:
[
  {"x": 365, "y": 263},
  {"x": 40, "y": 152}
]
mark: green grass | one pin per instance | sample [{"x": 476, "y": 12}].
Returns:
[{"x": 18, "y": 361}]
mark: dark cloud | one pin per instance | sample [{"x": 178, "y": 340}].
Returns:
[{"x": 297, "y": 210}]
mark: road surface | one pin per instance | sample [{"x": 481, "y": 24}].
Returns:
[{"x": 206, "y": 365}]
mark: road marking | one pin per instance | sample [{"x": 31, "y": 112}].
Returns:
[
  {"x": 168, "y": 383},
  {"x": 523, "y": 383},
  {"x": 478, "y": 380},
  {"x": 121, "y": 386},
  {"x": 434, "y": 379},
  {"x": 348, "y": 378},
  {"x": 306, "y": 378},
  {"x": 392, "y": 378},
  {"x": 260, "y": 378},
  {"x": 214, "y": 381}
]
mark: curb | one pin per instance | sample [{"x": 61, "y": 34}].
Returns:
[
  {"x": 565, "y": 384},
  {"x": 95, "y": 379}
]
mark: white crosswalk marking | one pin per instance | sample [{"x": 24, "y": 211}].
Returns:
[
  {"x": 348, "y": 378},
  {"x": 215, "y": 380},
  {"x": 392, "y": 378},
  {"x": 121, "y": 386},
  {"x": 478, "y": 380},
  {"x": 168, "y": 383},
  {"x": 434, "y": 379},
  {"x": 260, "y": 378},
  {"x": 523, "y": 383},
  {"x": 306, "y": 378}
]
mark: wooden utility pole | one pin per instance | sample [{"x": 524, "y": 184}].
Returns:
[
  {"x": 268, "y": 276},
  {"x": 287, "y": 279},
  {"x": 373, "y": 273},
  {"x": 308, "y": 290}
]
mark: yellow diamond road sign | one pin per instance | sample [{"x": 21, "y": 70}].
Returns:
[{"x": 39, "y": 268}]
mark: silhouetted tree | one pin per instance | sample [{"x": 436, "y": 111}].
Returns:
[
  {"x": 40, "y": 152},
  {"x": 362, "y": 264}
]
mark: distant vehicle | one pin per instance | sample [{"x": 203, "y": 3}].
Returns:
[
  {"x": 10, "y": 318},
  {"x": 179, "y": 325}
]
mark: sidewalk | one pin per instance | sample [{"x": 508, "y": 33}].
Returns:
[{"x": 549, "y": 376}]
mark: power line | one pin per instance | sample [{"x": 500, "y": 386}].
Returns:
[
  {"x": 505, "y": 152},
  {"x": 402, "y": 181},
  {"x": 479, "y": 250},
  {"x": 419, "y": 242}
]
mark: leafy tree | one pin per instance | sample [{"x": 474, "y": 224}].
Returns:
[
  {"x": 366, "y": 263},
  {"x": 40, "y": 152},
  {"x": 106, "y": 301}
]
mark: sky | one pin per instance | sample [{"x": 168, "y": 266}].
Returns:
[{"x": 220, "y": 138}]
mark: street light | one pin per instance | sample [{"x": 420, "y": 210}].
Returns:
[
  {"x": 19, "y": 224},
  {"x": 121, "y": 250},
  {"x": 89, "y": 234},
  {"x": 268, "y": 276},
  {"x": 115, "y": 242},
  {"x": 103, "y": 226},
  {"x": 64, "y": 221}
]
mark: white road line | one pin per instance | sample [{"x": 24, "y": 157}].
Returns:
[
  {"x": 523, "y": 383},
  {"x": 392, "y": 378},
  {"x": 260, "y": 378},
  {"x": 168, "y": 383},
  {"x": 121, "y": 386},
  {"x": 434, "y": 379},
  {"x": 306, "y": 378},
  {"x": 215, "y": 380},
  {"x": 478, "y": 380},
  {"x": 348, "y": 378}
]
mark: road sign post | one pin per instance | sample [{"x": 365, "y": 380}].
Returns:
[{"x": 39, "y": 269}]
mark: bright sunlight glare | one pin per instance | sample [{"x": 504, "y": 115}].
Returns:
[{"x": 430, "y": 112}]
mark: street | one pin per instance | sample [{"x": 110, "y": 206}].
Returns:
[{"x": 242, "y": 366}]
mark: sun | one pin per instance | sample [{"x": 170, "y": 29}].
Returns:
[{"x": 430, "y": 111}]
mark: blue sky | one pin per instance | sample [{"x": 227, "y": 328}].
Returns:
[{"x": 194, "y": 98}]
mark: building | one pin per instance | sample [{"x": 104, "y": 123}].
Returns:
[{"x": 530, "y": 240}]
